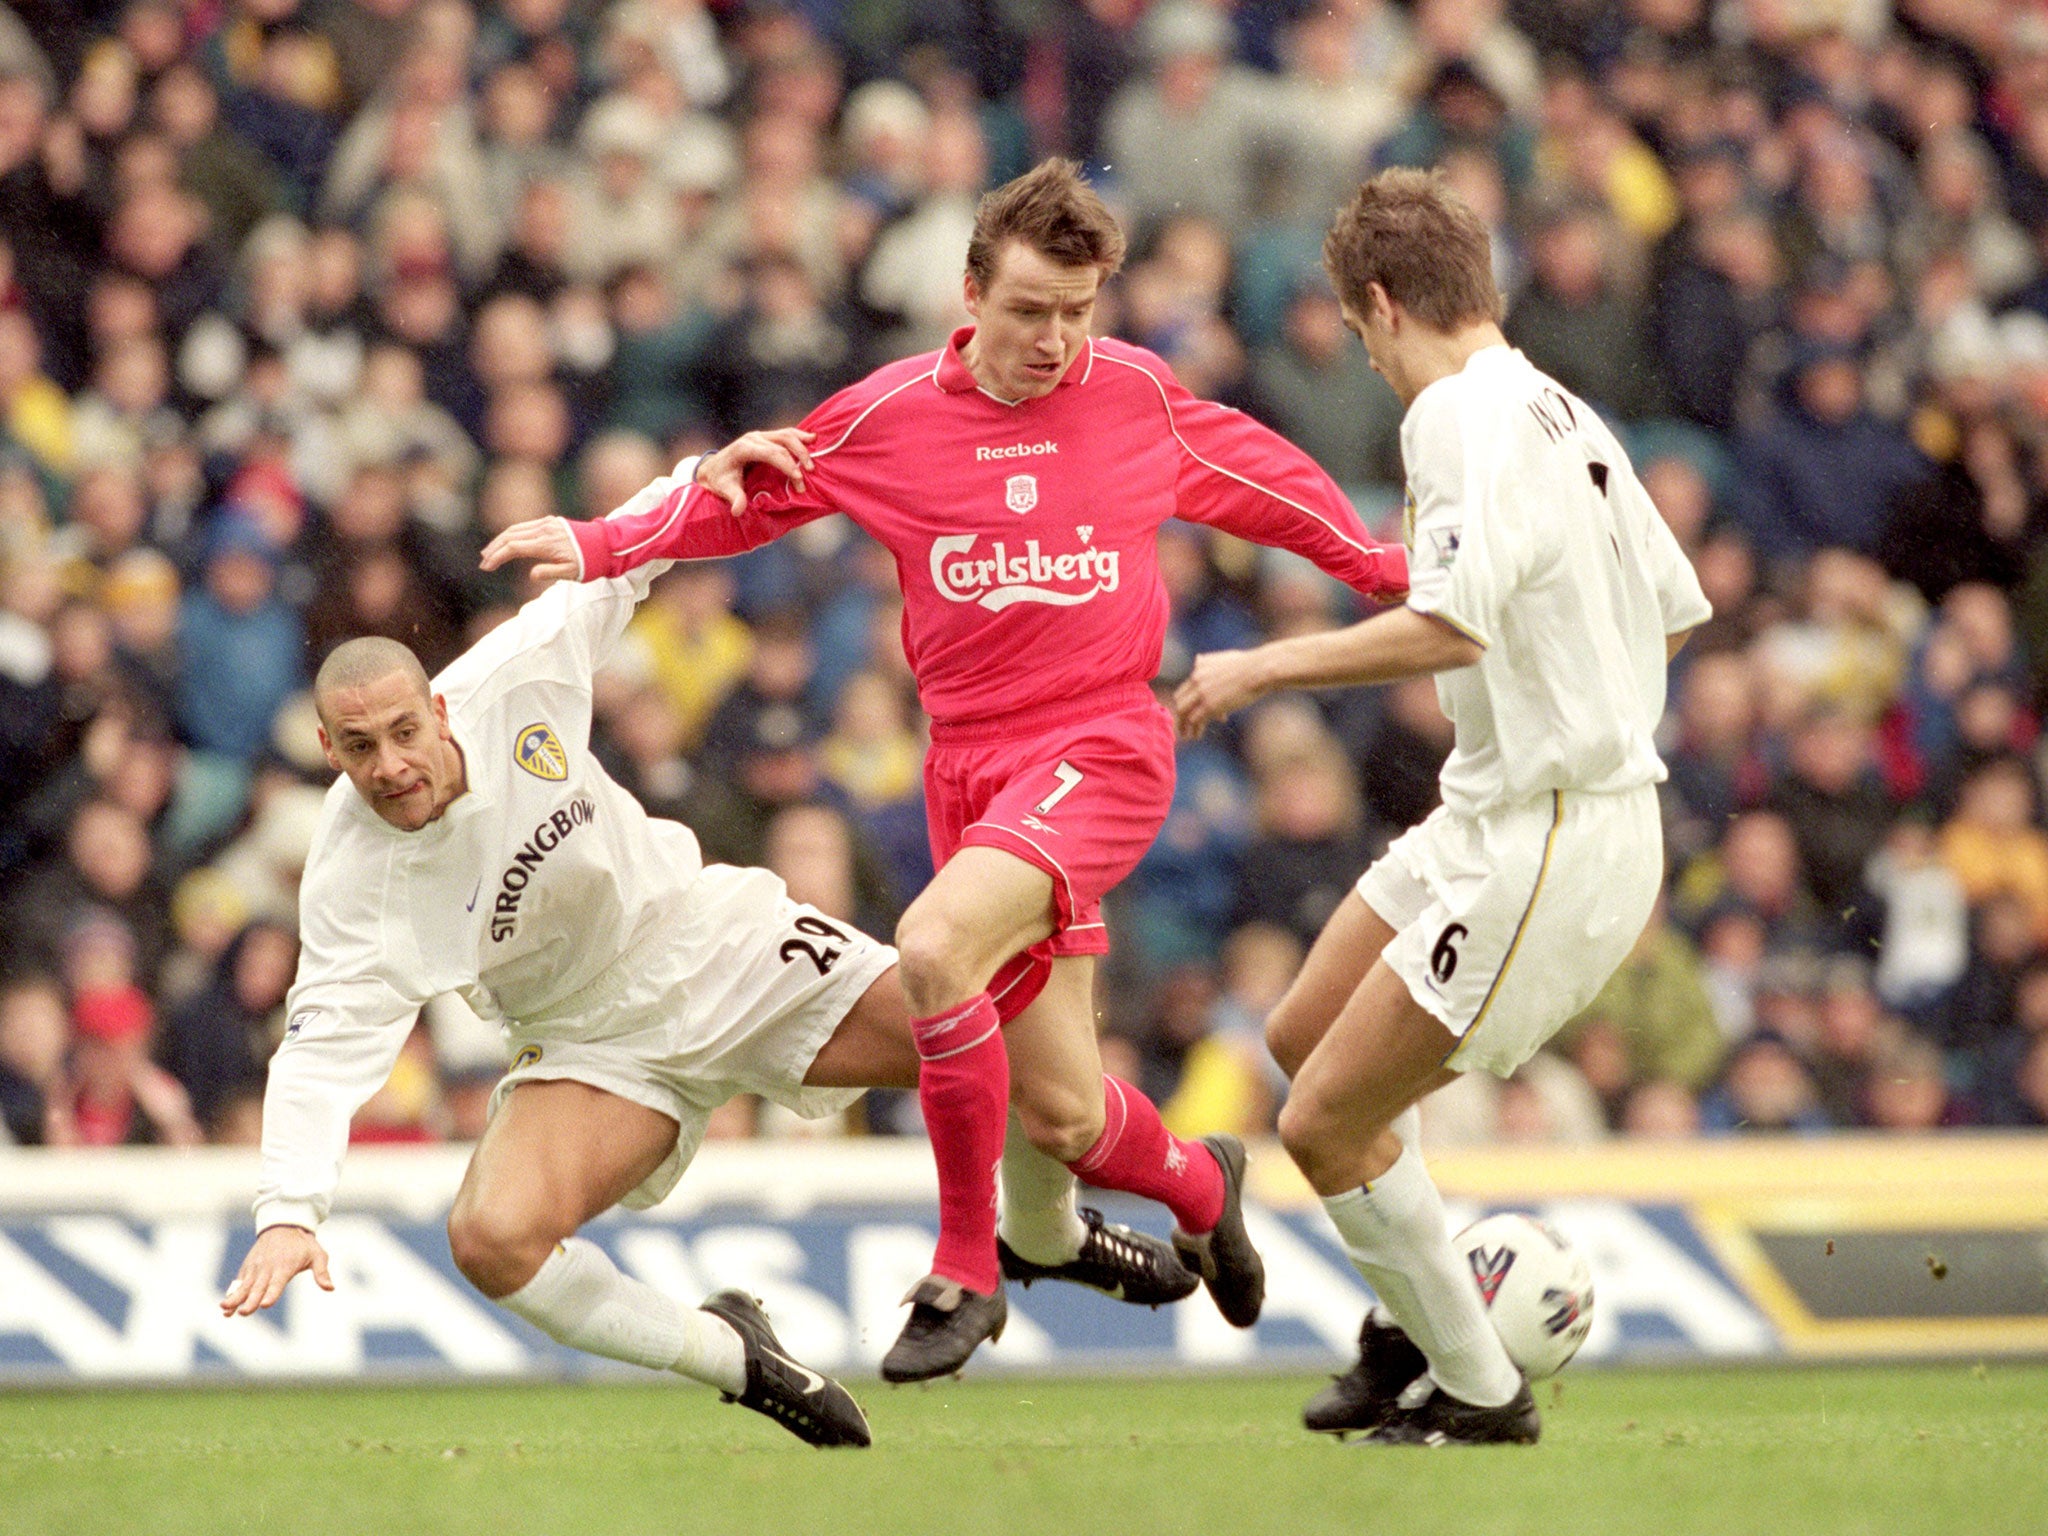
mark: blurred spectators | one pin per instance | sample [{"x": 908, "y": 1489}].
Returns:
[
  {"x": 1314, "y": 384},
  {"x": 1766, "y": 1087},
  {"x": 1653, "y": 1022},
  {"x": 302, "y": 300},
  {"x": 1309, "y": 839},
  {"x": 35, "y": 1037},
  {"x": 1576, "y": 322},
  {"x": 217, "y": 1042},
  {"x": 1185, "y": 136}
]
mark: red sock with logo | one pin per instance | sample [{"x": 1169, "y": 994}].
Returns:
[
  {"x": 963, "y": 1087},
  {"x": 1138, "y": 1154}
]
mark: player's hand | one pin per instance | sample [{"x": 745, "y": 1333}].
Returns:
[
  {"x": 546, "y": 541},
  {"x": 1394, "y": 579},
  {"x": 279, "y": 1254},
  {"x": 724, "y": 472},
  {"x": 1221, "y": 681}
]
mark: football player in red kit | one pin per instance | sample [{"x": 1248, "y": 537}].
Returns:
[{"x": 1019, "y": 477}]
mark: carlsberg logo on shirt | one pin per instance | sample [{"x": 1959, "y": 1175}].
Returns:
[{"x": 998, "y": 578}]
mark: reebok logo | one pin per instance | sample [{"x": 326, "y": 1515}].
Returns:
[
  {"x": 998, "y": 579},
  {"x": 1015, "y": 451}
]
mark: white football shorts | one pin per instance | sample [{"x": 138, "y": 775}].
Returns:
[
  {"x": 740, "y": 1001},
  {"x": 1508, "y": 924}
]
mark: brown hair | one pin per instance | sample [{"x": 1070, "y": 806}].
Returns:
[
  {"x": 1412, "y": 234},
  {"x": 1052, "y": 209}
]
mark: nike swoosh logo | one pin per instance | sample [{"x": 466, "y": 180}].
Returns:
[
  {"x": 473, "y": 896},
  {"x": 817, "y": 1382}
]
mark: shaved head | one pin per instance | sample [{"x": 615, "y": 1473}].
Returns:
[
  {"x": 381, "y": 724},
  {"x": 359, "y": 663}
]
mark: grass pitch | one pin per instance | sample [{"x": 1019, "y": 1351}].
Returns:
[{"x": 1949, "y": 1449}]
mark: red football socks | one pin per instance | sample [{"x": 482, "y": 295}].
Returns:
[
  {"x": 963, "y": 1087},
  {"x": 1137, "y": 1153}
]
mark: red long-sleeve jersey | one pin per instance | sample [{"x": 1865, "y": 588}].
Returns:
[{"x": 1025, "y": 534}]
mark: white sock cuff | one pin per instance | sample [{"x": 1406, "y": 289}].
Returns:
[
  {"x": 564, "y": 1273},
  {"x": 1388, "y": 1207},
  {"x": 1040, "y": 1218},
  {"x": 580, "y": 1298},
  {"x": 1347, "y": 1204}
]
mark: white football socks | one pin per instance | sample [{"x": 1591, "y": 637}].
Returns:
[
  {"x": 582, "y": 1299},
  {"x": 1041, "y": 1219},
  {"x": 1396, "y": 1234}
]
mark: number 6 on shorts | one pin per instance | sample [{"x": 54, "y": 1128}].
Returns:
[{"x": 1068, "y": 777}]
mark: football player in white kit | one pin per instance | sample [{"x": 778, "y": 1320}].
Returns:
[
  {"x": 1547, "y": 596},
  {"x": 475, "y": 845}
]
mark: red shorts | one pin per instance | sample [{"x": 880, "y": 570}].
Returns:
[{"x": 1079, "y": 791}]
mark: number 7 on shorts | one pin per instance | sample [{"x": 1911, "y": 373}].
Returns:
[{"x": 1068, "y": 777}]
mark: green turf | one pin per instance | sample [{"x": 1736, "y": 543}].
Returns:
[{"x": 1956, "y": 1449}]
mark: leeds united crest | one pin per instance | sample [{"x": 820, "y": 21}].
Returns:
[{"x": 539, "y": 751}]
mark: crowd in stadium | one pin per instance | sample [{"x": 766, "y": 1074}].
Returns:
[{"x": 302, "y": 300}]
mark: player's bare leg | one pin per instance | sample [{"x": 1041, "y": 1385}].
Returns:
[
  {"x": 1388, "y": 1361},
  {"x": 560, "y": 1152},
  {"x": 1337, "y": 963},
  {"x": 981, "y": 908},
  {"x": 984, "y": 907},
  {"x": 1382, "y": 1053},
  {"x": 1056, "y": 1062},
  {"x": 556, "y": 1154},
  {"x": 872, "y": 1047},
  {"x": 1349, "y": 1125},
  {"x": 1057, "y": 1094}
]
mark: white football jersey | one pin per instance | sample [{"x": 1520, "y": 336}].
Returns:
[
  {"x": 1529, "y": 532},
  {"x": 533, "y": 895}
]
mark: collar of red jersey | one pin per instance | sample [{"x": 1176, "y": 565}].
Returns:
[{"x": 954, "y": 376}]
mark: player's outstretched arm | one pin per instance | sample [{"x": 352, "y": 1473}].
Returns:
[
  {"x": 1399, "y": 643},
  {"x": 659, "y": 522},
  {"x": 1244, "y": 478},
  {"x": 279, "y": 1253}
]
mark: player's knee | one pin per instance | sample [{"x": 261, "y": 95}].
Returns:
[
  {"x": 928, "y": 953},
  {"x": 1062, "y": 1125},
  {"x": 1309, "y": 1134},
  {"x": 1287, "y": 1039},
  {"x": 498, "y": 1249}
]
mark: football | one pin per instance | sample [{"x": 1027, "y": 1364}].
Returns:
[{"x": 1537, "y": 1288}]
